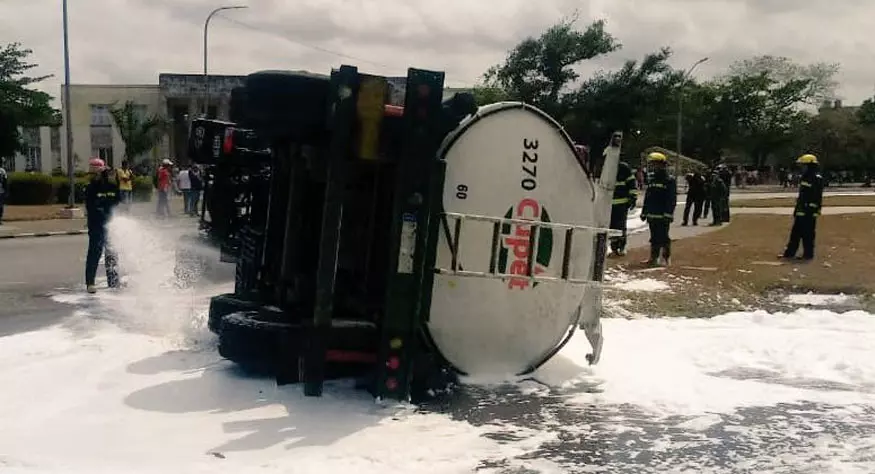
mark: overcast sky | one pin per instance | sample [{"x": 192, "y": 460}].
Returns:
[{"x": 131, "y": 41}]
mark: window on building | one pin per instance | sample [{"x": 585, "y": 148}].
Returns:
[
  {"x": 31, "y": 137},
  {"x": 100, "y": 115},
  {"x": 104, "y": 154},
  {"x": 55, "y": 134},
  {"x": 31, "y": 140},
  {"x": 56, "y": 138},
  {"x": 101, "y": 133},
  {"x": 101, "y": 143},
  {"x": 33, "y": 159}
]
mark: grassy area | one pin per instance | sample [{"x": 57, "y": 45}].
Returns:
[
  {"x": 835, "y": 201},
  {"x": 737, "y": 268},
  {"x": 31, "y": 213}
]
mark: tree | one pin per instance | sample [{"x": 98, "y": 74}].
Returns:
[
  {"x": 766, "y": 110},
  {"x": 140, "y": 132},
  {"x": 632, "y": 99},
  {"x": 866, "y": 112},
  {"x": 20, "y": 106},
  {"x": 820, "y": 81},
  {"x": 538, "y": 70}
]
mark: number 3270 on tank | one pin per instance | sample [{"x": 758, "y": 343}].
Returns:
[{"x": 530, "y": 165}]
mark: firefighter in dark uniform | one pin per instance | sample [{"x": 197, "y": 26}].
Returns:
[
  {"x": 807, "y": 209},
  {"x": 726, "y": 175},
  {"x": 717, "y": 189},
  {"x": 660, "y": 200},
  {"x": 625, "y": 199},
  {"x": 695, "y": 197},
  {"x": 706, "y": 200},
  {"x": 101, "y": 197}
]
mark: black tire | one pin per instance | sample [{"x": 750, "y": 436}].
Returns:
[
  {"x": 255, "y": 344},
  {"x": 286, "y": 104},
  {"x": 223, "y": 305}
]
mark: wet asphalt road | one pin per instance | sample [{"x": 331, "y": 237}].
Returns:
[
  {"x": 30, "y": 270},
  {"x": 624, "y": 439}
]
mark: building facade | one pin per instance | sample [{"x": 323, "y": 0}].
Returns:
[
  {"x": 42, "y": 150},
  {"x": 177, "y": 97}
]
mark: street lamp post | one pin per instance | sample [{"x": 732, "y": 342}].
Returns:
[
  {"x": 680, "y": 131},
  {"x": 68, "y": 126},
  {"x": 206, "y": 29}
]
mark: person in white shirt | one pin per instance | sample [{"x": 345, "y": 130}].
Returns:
[{"x": 183, "y": 184}]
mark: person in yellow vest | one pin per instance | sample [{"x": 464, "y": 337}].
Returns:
[{"x": 125, "y": 184}]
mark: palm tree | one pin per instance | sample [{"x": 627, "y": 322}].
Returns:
[{"x": 140, "y": 132}]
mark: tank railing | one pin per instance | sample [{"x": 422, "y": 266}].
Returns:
[{"x": 534, "y": 239}]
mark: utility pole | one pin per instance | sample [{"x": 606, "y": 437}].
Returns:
[
  {"x": 68, "y": 126},
  {"x": 206, "y": 29},
  {"x": 680, "y": 130}
]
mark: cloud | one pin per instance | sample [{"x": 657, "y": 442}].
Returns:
[{"x": 131, "y": 41}]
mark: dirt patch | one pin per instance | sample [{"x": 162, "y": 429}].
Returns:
[
  {"x": 835, "y": 201},
  {"x": 736, "y": 267},
  {"x": 32, "y": 213}
]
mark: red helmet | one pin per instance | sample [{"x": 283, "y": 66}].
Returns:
[{"x": 97, "y": 163}]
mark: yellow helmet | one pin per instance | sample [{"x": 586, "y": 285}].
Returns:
[
  {"x": 656, "y": 156},
  {"x": 807, "y": 159}
]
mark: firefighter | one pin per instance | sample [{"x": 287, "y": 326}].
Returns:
[
  {"x": 625, "y": 199},
  {"x": 706, "y": 200},
  {"x": 726, "y": 175},
  {"x": 660, "y": 200},
  {"x": 101, "y": 197},
  {"x": 695, "y": 197},
  {"x": 717, "y": 188},
  {"x": 807, "y": 209}
]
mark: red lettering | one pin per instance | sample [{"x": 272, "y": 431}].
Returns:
[
  {"x": 519, "y": 245},
  {"x": 518, "y": 284},
  {"x": 521, "y": 283},
  {"x": 531, "y": 204}
]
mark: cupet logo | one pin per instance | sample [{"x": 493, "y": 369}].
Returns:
[{"x": 515, "y": 240}]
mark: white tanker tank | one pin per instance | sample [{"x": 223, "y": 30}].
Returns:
[{"x": 521, "y": 255}]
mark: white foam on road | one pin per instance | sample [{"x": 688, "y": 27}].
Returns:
[
  {"x": 647, "y": 285},
  {"x": 92, "y": 396},
  {"x": 812, "y": 299},
  {"x": 669, "y": 365},
  {"x": 112, "y": 401}
]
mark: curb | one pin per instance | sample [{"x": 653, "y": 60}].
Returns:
[{"x": 43, "y": 234}]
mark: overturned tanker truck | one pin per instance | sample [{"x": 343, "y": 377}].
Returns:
[{"x": 402, "y": 242}]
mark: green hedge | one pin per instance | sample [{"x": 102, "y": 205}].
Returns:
[
  {"x": 30, "y": 188},
  {"x": 39, "y": 189},
  {"x": 62, "y": 189}
]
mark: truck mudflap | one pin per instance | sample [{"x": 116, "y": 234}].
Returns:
[{"x": 518, "y": 268}]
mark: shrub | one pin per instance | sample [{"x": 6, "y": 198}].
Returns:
[
  {"x": 77, "y": 173},
  {"x": 30, "y": 189},
  {"x": 62, "y": 189},
  {"x": 142, "y": 188}
]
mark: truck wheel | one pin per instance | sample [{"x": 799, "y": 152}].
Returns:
[
  {"x": 252, "y": 342},
  {"x": 286, "y": 104},
  {"x": 223, "y": 305}
]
